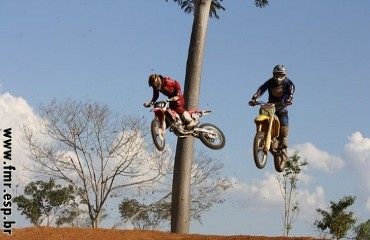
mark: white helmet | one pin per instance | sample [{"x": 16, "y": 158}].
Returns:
[{"x": 279, "y": 73}]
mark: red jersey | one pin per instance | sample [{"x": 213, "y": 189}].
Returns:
[{"x": 171, "y": 88}]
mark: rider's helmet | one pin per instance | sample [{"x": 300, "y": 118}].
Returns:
[
  {"x": 279, "y": 73},
  {"x": 155, "y": 81}
]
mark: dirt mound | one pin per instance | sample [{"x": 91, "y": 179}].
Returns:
[{"x": 46, "y": 233}]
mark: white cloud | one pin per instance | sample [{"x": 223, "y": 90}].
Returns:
[
  {"x": 14, "y": 113},
  {"x": 305, "y": 178},
  {"x": 262, "y": 194},
  {"x": 357, "y": 155},
  {"x": 310, "y": 201},
  {"x": 319, "y": 159},
  {"x": 265, "y": 195},
  {"x": 356, "y": 160}
]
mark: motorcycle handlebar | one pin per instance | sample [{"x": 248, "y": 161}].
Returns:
[
  {"x": 255, "y": 103},
  {"x": 173, "y": 99}
]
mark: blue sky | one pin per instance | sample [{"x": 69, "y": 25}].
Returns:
[{"x": 105, "y": 50}]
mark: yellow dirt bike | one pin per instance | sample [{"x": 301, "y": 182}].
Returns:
[{"x": 267, "y": 137}]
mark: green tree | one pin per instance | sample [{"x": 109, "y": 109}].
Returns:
[
  {"x": 144, "y": 216},
  {"x": 47, "y": 201},
  {"x": 288, "y": 187},
  {"x": 363, "y": 231},
  {"x": 202, "y": 9},
  {"x": 337, "y": 222}
]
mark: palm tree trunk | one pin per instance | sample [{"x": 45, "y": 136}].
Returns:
[{"x": 180, "y": 213}]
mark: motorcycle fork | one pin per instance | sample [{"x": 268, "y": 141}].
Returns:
[
  {"x": 268, "y": 137},
  {"x": 162, "y": 119}
]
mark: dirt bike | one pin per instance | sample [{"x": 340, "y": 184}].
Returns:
[
  {"x": 165, "y": 118},
  {"x": 267, "y": 137}
]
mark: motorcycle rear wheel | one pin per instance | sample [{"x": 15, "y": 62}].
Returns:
[
  {"x": 214, "y": 140},
  {"x": 155, "y": 128},
  {"x": 280, "y": 158},
  {"x": 259, "y": 155}
]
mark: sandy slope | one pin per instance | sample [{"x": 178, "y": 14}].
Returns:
[{"x": 45, "y": 233}]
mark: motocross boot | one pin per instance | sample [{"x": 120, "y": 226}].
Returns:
[
  {"x": 274, "y": 145},
  {"x": 188, "y": 121},
  {"x": 284, "y": 136}
]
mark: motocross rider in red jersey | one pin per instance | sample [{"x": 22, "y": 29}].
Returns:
[
  {"x": 281, "y": 90},
  {"x": 172, "y": 89}
]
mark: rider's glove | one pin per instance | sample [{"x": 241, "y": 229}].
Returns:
[
  {"x": 252, "y": 102},
  {"x": 174, "y": 99},
  {"x": 147, "y": 104}
]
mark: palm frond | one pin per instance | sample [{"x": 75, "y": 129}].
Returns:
[
  {"x": 188, "y": 7},
  {"x": 261, "y": 3},
  {"x": 215, "y": 6}
]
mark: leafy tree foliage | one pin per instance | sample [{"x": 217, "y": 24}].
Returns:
[
  {"x": 363, "y": 231},
  {"x": 47, "y": 201},
  {"x": 288, "y": 186},
  {"x": 144, "y": 216},
  {"x": 338, "y": 222}
]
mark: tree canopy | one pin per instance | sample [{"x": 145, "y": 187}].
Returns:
[
  {"x": 47, "y": 201},
  {"x": 188, "y": 6},
  {"x": 337, "y": 221}
]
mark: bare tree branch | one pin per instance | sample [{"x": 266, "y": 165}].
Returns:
[{"x": 96, "y": 152}]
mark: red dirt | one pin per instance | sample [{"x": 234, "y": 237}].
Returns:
[{"x": 46, "y": 233}]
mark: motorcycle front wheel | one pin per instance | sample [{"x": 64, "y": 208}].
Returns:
[
  {"x": 158, "y": 140},
  {"x": 259, "y": 155},
  {"x": 280, "y": 158},
  {"x": 214, "y": 138}
]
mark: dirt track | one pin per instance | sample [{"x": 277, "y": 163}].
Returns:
[{"x": 44, "y": 233}]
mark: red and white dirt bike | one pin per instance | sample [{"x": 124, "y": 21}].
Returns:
[
  {"x": 209, "y": 134},
  {"x": 267, "y": 137}
]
